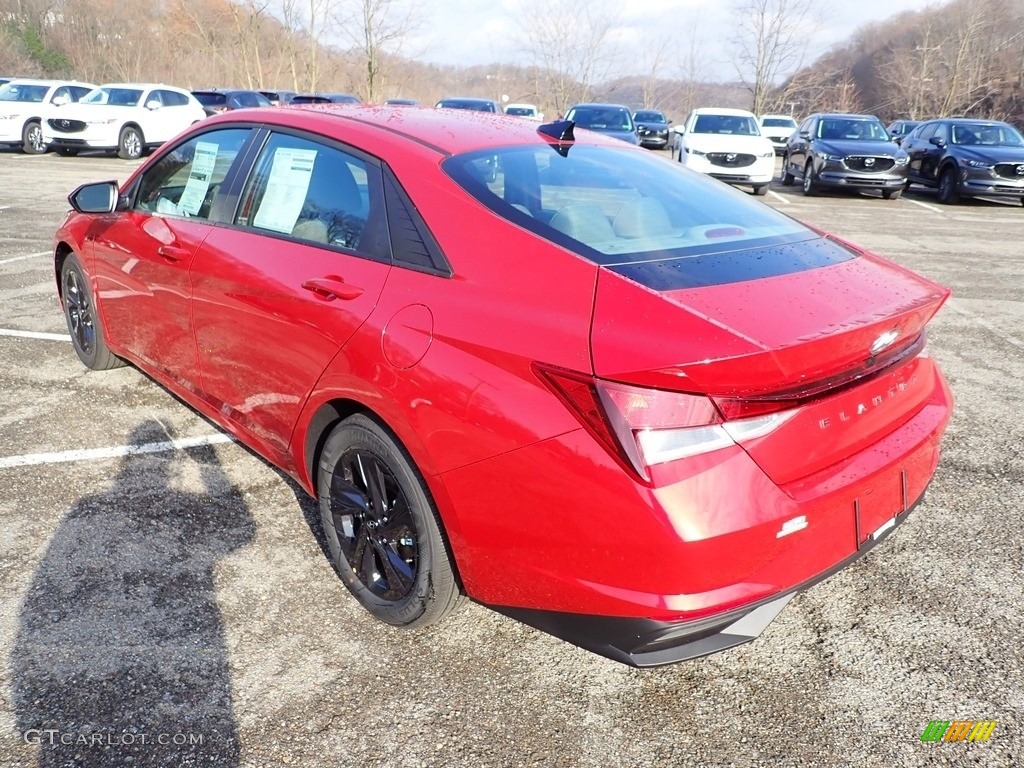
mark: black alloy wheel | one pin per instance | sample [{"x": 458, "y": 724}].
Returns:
[
  {"x": 86, "y": 333},
  {"x": 949, "y": 187},
  {"x": 381, "y": 527}
]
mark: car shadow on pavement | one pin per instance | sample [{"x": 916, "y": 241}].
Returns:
[{"x": 120, "y": 657}]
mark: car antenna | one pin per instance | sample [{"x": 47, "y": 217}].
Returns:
[{"x": 560, "y": 131}]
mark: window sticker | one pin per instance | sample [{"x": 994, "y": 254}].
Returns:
[
  {"x": 286, "y": 190},
  {"x": 199, "y": 177}
]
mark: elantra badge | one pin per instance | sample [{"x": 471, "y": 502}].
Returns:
[
  {"x": 884, "y": 341},
  {"x": 792, "y": 526}
]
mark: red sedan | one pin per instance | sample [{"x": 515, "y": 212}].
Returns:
[{"x": 604, "y": 395}]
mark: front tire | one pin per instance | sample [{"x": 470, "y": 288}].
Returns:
[
  {"x": 892, "y": 194},
  {"x": 761, "y": 190},
  {"x": 80, "y": 314},
  {"x": 949, "y": 187},
  {"x": 130, "y": 144},
  {"x": 810, "y": 187},
  {"x": 32, "y": 139},
  {"x": 382, "y": 528}
]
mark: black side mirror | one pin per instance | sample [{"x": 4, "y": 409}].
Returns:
[
  {"x": 805, "y": 135},
  {"x": 98, "y": 197},
  {"x": 938, "y": 141}
]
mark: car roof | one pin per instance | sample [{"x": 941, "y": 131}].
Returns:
[
  {"x": 846, "y": 115},
  {"x": 34, "y": 81},
  {"x": 448, "y": 131},
  {"x": 722, "y": 111},
  {"x": 968, "y": 120},
  {"x": 144, "y": 86},
  {"x": 601, "y": 105},
  {"x": 777, "y": 117}
]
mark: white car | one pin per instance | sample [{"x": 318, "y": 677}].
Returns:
[
  {"x": 529, "y": 111},
  {"x": 777, "y": 129},
  {"x": 23, "y": 103},
  {"x": 727, "y": 145},
  {"x": 126, "y": 117}
]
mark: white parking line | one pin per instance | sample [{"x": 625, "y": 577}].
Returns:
[
  {"x": 113, "y": 452},
  {"x": 22, "y": 258},
  {"x": 34, "y": 335},
  {"x": 778, "y": 197},
  {"x": 1011, "y": 340},
  {"x": 925, "y": 205}
]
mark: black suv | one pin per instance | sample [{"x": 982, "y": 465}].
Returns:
[
  {"x": 844, "y": 152},
  {"x": 899, "y": 129},
  {"x": 651, "y": 128},
  {"x": 965, "y": 157}
]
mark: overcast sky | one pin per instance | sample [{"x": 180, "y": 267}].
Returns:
[{"x": 471, "y": 32}]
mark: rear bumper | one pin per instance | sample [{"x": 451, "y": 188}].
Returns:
[{"x": 651, "y": 643}]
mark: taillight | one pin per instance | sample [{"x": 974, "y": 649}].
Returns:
[{"x": 646, "y": 427}]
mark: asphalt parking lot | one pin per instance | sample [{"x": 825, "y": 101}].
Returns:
[{"x": 181, "y": 595}]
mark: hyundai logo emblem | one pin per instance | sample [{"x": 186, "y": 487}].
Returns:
[{"x": 884, "y": 341}]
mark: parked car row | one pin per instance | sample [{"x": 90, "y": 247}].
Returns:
[{"x": 960, "y": 157}]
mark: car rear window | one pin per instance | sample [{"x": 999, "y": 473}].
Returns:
[
  {"x": 210, "y": 99},
  {"x": 619, "y": 207},
  {"x": 778, "y": 122}
]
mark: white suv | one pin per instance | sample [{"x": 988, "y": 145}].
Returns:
[
  {"x": 22, "y": 104},
  {"x": 529, "y": 111},
  {"x": 777, "y": 129},
  {"x": 127, "y": 117},
  {"x": 727, "y": 144}
]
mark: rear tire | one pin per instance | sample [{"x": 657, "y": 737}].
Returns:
[
  {"x": 810, "y": 187},
  {"x": 787, "y": 177},
  {"x": 382, "y": 528},
  {"x": 83, "y": 324},
  {"x": 949, "y": 187},
  {"x": 130, "y": 145},
  {"x": 32, "y": 139}
]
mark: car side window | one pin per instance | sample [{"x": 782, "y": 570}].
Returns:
[
  {"x": 185, "y": 181},
  {"x": 77, "y": 92},
  {"x": 942, "y": 131},
  {"x": 170, "y": 98},
  {"x": 64, "y": 92},
  {"x": 317, "y": 193},
  {"x": 928, "y": 131}
]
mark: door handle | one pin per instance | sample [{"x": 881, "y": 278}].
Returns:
[
  {"x": 173, "y": 252},
  {"x": 333, "y": 287}
]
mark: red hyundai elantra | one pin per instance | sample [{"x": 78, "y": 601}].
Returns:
[{"x": 612, "y": 398}]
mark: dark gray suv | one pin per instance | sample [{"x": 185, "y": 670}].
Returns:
[
  {"x": 839, "y": 151},
  {"x": 962, "y": 157}
]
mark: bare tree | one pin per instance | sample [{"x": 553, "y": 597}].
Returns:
[
  {"x": 654, "y": 53},
  {"x": 771, "y": 41},
  {"x": 379, "y": 28},
  {"x": 570, "y": 45}
]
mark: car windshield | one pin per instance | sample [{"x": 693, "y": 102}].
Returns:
[
  {"x": 520, "y": 111},
  {"x": 114, "y": 97},
  {"x": 649, "y": 117},
  {"x": 851, "y": 129},
  {"x": 602, "y": 118},
  {"x": 23, "y": 92},
  {"x": 987, "y": 134},
  {"x": 778, "y": 122},
  {"x": 734, "y": 124},
  {"x": 622, "y": 207}
]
